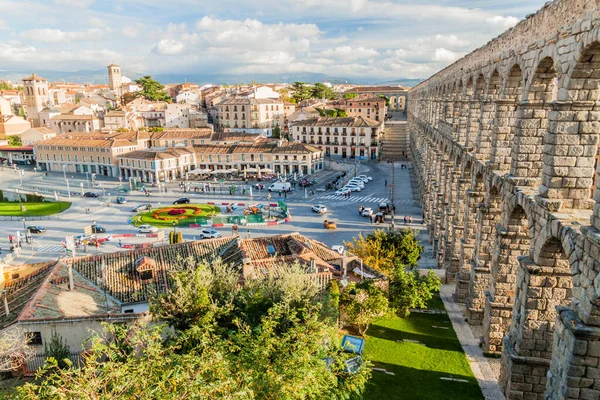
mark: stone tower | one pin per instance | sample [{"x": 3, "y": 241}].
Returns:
[
  {"x": 35, "y": 90},
  {"x": 114, "y": 80}
]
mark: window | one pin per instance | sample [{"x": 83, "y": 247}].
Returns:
[
  {"x": 76, "y": 159},
  {"x": 34, "y": 338},
  {"x": 243, "y": 157},
  {"x": 146, "y": 275}
]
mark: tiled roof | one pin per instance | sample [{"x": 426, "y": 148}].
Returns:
[
  {"x": 376, "y": 89},
  {"x": 71, "y": 117},
  {"x": 201, "y": 133},
  {"x": 20, "y": 290},
  {"x": 236, "y": 137},
  {"x": 115, "y": 113},
  {"x": 354, "y": 122},
  {"x": 172, "y": 152},
  {"x": 118, "y": 274},
  {"x": 91, "y": 139},
  {"x": 34, "y": 77},
  {"x": 285, "y": 148}
]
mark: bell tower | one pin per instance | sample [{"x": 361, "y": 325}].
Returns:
[
  {"x": 36, "y": 97},
  {"x": 114, "y": 81}
]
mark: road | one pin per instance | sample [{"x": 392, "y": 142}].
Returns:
[{"x": 115, "y": 218}]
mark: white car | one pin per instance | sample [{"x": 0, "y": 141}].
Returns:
[
  {"x": 367, "y": 212},
  {"x": 319, "y": 208},
  {"x": 338, "y": 247},
  {"x": 361, "y": 180},
  {"x": 368, "y": 178},
  {"x": 209, "y": 233},
  {"x": 147, "y": 229},
  {"x": 353, "y": 188},
  {"x": 357, "y": 183},
  {"x": 341, "y": 192}
]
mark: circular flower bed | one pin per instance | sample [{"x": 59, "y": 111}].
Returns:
[{"x": 177, "y": 211}]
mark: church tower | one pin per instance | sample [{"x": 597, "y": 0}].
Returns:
[
  {"x": 114, "y": 81},
  {"x": 35, "y": 90}
]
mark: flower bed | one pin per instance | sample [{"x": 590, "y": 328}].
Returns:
[{"x": 184, "y": 215}]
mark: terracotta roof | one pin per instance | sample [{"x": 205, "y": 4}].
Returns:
[
  {"x": 377, "y": 89},
  {"x": 115, "y": 113},
  {"x": 236, "y": 137},
  {"x": 34, "y": 77},
  {"x": 91, "y": 139},
  {"x": 261, "y": 147},
  {"x": 73, "y": 117},
  {"x": 355, "y": 122},
  {"x": 20, "y": 291},
  {"x": 200, "y": 133},
  {"x": 172, "y": 152}
]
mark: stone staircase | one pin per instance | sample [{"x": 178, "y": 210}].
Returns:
[{"x": 395, "y": 141}]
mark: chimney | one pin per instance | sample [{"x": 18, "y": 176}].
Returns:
[
  {"x": 313, "y": 266},
  {"x": 344, "y": 264},
  {"x": 70, "y": 269},
  {"x": 6, "y": 309}
]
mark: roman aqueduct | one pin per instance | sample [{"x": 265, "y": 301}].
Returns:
[{"x": 505, "y": 144}]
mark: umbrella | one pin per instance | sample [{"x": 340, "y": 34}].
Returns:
[
  {"x": 251, "y": 170},
  {"x": 266, "y": 170}
]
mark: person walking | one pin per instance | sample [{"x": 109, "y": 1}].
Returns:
[{"x": 386, "y": 182}]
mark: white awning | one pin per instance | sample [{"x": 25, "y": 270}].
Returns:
[{"x": 358, "y": 272}]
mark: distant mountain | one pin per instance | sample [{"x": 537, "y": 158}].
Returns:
[
  {"x": 101, "y": 76},
  {"x": 402, "y": 82}
]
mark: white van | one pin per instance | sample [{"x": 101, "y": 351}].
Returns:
[{"x": 280, "y": 187}]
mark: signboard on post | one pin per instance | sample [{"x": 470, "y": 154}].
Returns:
[
  {"x": 87, "y": 231},
  {"x": 70, "y": 245},
  {"x": 160, "y": 235}
]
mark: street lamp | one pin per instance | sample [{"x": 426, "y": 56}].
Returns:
[
  {"x": 64, "y": 171},
  {"x": 174, "y": 233},
  {"x": 24, "y": 226},
  {"x": 68, "y": 188}
]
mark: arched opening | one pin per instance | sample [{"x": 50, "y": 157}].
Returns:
[
  {"x": 531, "y": 126},
  {"x": 543, "y": 284},
  {"x": 577, "y": 150},
  {"x": 512, "y": 240},
  {"x": 504, "y": 120},
  {"x": 474, "y": 112},
  {"x": 463, "y": 115},
  {"x": 483, "y": 142}
]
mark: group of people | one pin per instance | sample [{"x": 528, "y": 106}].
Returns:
[{"x": 408, "y": 219}]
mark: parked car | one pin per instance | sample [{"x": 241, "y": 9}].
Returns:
[
  {"x": 367, "y": 212},
  {"x": 368, "y": 178},
  {"x": 329, "y": 224},
  {"x": 121, "y": 200},
  {"x": 353, "y": 188},
  {"x": 90, "y": 194},
  {"x": 343, "y": 191},
  {"x": 141, "y": 207},
  {"x": 147, "y": 229},
  {"x": 182, "y": 200},
  {"x": 358, "y": 182},
  {"x": 209, "y": 233},
  {"x": 319, "y": 208},
  {"x": 98, "y": 229},
  {"x": 36, "y": 229}
]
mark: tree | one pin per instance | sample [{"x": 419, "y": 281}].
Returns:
[
  {"x": 368, "y": 304},
  {"x": 14, "y": 141},
  {"x": 387, "y": 99},
  {"x": 152, "y": 90},
  {"x": 408, "y": 289},
  {"x": 341, "y": 113},
  {"x": 276, "y": 132},
  {"x": 14, "y": 349},
  {"x": 350, "y": 95},
  {"x": 322, "y": 91},
  {"x": 5, "y": 86},
  {"x": 301, "y": 91},
  {"x": 386, "y": 250},
  {"x": 58, "y": 350},
  {"x": 156, "y": 129}
]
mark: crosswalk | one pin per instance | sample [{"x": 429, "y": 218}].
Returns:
[
  {"x": 355, "y": 199},
  {"x": 54, "y": 248}
]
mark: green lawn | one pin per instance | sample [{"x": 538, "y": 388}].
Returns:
[
  {"x": 418, "y": 367},
  {"x": 166, "y": 220},
  {"x": 33, "y": 209}
]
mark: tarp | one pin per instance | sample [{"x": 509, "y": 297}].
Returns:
[{"x": 358, "y": 272}]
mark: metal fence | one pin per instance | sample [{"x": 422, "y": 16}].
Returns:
[
  {"x": 20, "y": 218},
  {"x": 39, "y": 360}
]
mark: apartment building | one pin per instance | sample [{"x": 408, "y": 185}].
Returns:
[
  {"x": 368, "y": 106},
  {"x": 250, "y": 115},
  {"x": 346, "y": 137}
]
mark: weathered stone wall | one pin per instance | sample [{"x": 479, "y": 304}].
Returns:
[{"x": 505, "y": 142}]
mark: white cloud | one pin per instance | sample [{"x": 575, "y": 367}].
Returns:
[
  {"x": 502, "y": 22},
  {"x": 57, "y": 36},
  {"x": 169, "y": 47},
  {"x": 347, "y": 53},
  {"x": 75, "y": 3},
  {"x": 444, "y": 55},
  {"x": 94, "y": 21},
  {"x": 450, "y": 40},
  {"x": 3, "y": 25}
]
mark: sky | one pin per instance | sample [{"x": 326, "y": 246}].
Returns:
[{"x": 344, "y": 38}]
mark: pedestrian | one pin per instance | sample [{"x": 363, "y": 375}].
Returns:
[
  {"x": 386, "y": 182},
  {"x": 120, "y": 244},
  {"x": 214, "y": 190},
  {"x": 405, "y": 219},
  {"x": 10, "y": 239},
  {"x": 410, "y": 219}
]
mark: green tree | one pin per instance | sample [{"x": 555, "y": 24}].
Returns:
[
  {"x": 331, "y": 113},
  {"x": 341, "y": 113},
  {"x": 301, "y": 91},
  {"x": 152, "y": 90},
  {"x": 156, "y": 129},
  {"x": 350, "y": 95},
  {"x": 408, "y": 289},
  {"x": 14, "y": 141},
  {"x": 322, "y": 91},
  {"x": 364, "y": 304},
  {"x": 58, "y": 350},
  {"x": 276, "y": 132},
  {"x": 386, "y": 250},
  {"x": 5, "y": 86},
  {"x": 387, "y": 99}
]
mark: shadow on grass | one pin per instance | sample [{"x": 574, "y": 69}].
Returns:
[
  {"x": 446, "y": 342},
  {"x": 412, "y": 383}
]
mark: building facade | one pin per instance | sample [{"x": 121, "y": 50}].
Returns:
[
  {"x": 368, "y": 106},
  {"x": 346, "y": 137},
  {"x": 35, "y": 91},
  {"x": 250, "y": 114}
]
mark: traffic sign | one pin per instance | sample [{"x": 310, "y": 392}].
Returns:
[{"x": 391, "y": 186}]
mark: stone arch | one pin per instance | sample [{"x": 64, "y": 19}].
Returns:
[
  {"x": 483, "y": 142},
  {"x": 541, "y": 288},
  {"x": 571, "y": 149},
  {"x": 531, "y": 125}
]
